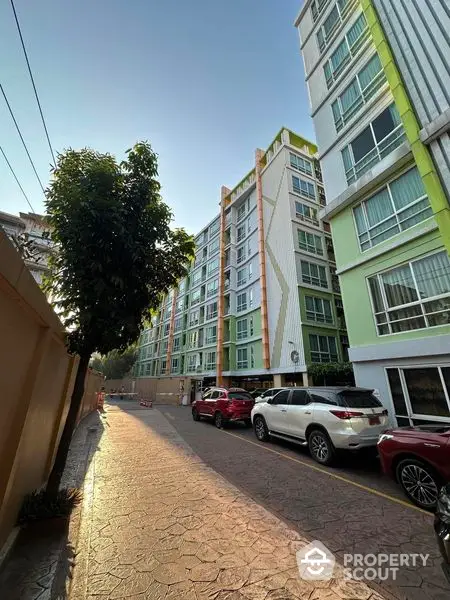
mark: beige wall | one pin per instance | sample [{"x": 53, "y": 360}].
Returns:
[
  {"x": 116, "y": 384},
  {"x": 37, "y": 376},
  {"x": 162, "y": 391}
]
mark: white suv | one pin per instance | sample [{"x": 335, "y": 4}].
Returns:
[
  {"x": 267, "y": 395},
  {"x": 324, "y": 419}
]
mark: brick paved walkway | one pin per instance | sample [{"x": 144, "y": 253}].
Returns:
[{"x": 159, "y": 524}]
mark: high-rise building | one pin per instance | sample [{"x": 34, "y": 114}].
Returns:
[
  {"x": 262, "y": 299},
  {"x": 378, "y": 78},
  {"x": 29, "y": 232}
]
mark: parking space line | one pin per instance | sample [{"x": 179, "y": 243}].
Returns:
[{"x": 333, "y": 475}]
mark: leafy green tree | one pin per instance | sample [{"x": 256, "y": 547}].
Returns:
[
  {"x": 116, "y": 364},
  {"x": 117, "y": 254},
  {"x": 333, "y": 373}
]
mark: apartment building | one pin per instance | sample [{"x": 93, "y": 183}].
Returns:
[
  {"x": 385, "y": 169},
  {"x": 27, "y": 231},
  {"x": 262, "y": 298}
]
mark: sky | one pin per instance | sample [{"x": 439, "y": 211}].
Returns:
[{"x": 206, "y": 82}]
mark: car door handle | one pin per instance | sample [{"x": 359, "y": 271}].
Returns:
[
  {"x": 307, "y": 412},
  {"x": 283, "y": 409},
  {"x": 431, "y": 445}
]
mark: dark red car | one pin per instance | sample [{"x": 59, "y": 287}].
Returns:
[
  {"x": 419, "y": 459},
  {"x": 223, "y": 406}
]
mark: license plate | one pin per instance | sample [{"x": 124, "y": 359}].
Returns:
[{"x": 374, "y": 420}]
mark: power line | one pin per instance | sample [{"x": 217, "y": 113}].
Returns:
[
  {"x": 21, "y": 137},
  {"x": 32, "y": 81},
  {"x": 18, "y": 182}
]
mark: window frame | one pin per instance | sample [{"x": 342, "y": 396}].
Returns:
[
  {"x": 242, "y": 363},
  {"x": 319, "y": 266},
  {"x": 239, "y": 334},
  {"x": 244, "y": 305},
  {"x": 310, "y": 218},
  {"x": 312, "y": 248},
  {"x": 321, "y": 352},
  {"x": 297, "y": 189},
  {"x": 293, "y": 162},
  {"x": 315, "y": 312}
]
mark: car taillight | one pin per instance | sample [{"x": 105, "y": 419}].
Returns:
[{"x": 346, "y": 414}]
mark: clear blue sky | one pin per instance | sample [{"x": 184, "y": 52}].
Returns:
[{"x": 205, "y": 81}]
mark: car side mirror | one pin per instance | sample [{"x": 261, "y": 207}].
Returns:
[{"x": 270, "y": 401}]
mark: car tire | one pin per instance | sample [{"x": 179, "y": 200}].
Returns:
[
  {"x": 248, "y": 422},
  {"x": 219, "y": 421},
  {"x": 260, "y": 428},
  {"x": 420, "y": 482},
  {"x": 321, "y": 447},
  {"x": 195, "y": 415}
]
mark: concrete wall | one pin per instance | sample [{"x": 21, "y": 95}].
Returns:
[
  {"x": 165, "y": 390},
  {"x": 37, "y": 376}
]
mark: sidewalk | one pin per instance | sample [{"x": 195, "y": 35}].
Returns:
[{"x": 157, "y": 523}]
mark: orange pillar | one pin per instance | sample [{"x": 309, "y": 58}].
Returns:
[
  {"x": 171, "y": 328},
  {"x": 220, "y": 309},
  {"x": 259, "y": 154}
]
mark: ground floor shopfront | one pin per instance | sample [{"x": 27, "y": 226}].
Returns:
[{"x": 412, "y": 378}]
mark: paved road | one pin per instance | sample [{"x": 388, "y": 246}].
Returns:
[{"x": 351, "y": 509}]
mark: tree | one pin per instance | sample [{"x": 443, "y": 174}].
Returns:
[
  {"x": 332, "y": 373},
  {"x": 115, "y": 365},
  {"x": 116, "y": 255}
]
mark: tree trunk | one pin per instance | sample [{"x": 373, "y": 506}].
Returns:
[{"x": 63, "y": 449}]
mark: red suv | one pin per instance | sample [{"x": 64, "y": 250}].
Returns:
[
  {"x": 419, "y": 459},
  {"x": 224, "y": 405}
]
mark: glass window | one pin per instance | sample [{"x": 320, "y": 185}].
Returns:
[
  {"x": 318, "y": 310},
  {"x": 213, "y": 266},
  {"x": 281, "y": 398},
  {"x": 242, "y": 302},
  {"x": 359, "y": 400},
  {"x": 310, "y": 242},
  {"x": 240, "y": 254},
  {"x": 397, "y": 207},
  {"x": 306, "y": 213},
  {"x": 194, "y": 317},
  {"x": 210, "y": 361},
  {"x": 398, "y": 397},
  {"x": 314, "y": 274},
  {"x": 195, "y": 298},
  {"x": 241, "y": 232},
  {"x": 426, "y": 393},
  {"x": 346, "y": 50},
  {"x": 214, "y": 247},
  {"x": 303, "y": 187},
  {"x": 241, "y": 277},
  {"x": 175, "y": 364},
  {"x": 176, "y": 344},
  {"x": 212, "y": 287},
  {"x": 412, "y": 296},
  {"x": 211, "y": 311},
  {"x": 252, "y": 357},
  {"x": 299, "y": 398},
  {"x": 324, "y": 398},
  {"x": 211, "y": 334},
  {"x": 242, "y": 358},
  {"x": 214, "y": 227},
  {"x": 251, "y": 326},
  {"x": 323, "y": 348},
  {"x": 241, "y": 212},
  {"x": 250, "y": 271},
  {"x": 299, "y": 163},
  {"x": 241, "y": 329}
]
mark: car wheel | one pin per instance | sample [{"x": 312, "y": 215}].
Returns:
[
  {"x": 419, "y": 482},
  {"x": 219, "y": 421},
  {"x": 321, "y": 447},
  {"x": 261, "y": 431},
  {"x": 248, "y": 422},
  {"x": 195, "y": 415}
]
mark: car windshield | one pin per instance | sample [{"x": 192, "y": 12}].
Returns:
[
  {"x": 359, "y": 400},
  {"x": 240, "y": 395}
]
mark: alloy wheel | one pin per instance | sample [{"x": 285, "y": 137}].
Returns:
[
  {"x": 218, "y": 420},
  {"x": 319, "y": 447},
  {"x": 260, "y": 429},
  {"x": 419, "y": 485}
]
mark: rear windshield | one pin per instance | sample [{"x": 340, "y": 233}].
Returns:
[
  {"x": 240, "y": 395},
  {"x": 359, "y": 400}
]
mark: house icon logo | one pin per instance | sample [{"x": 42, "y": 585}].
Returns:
[{"x": 315, "y": 562}]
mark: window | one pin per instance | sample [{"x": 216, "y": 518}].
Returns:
[
  {"x": 250, "y": 271},
  {"x": 422, "y": 392},
  {"x": 214, "y": 228},
  {"x": 328, "y": 28},
  {"x": 240, "y": 254},
  {"x": 241, "y": 232},
  {"x": 175, "y": 365},
  {"x": 214, "y": 247},
  {"x": 147, "y": 368},
  {"x": 398, "y": 206},
  {"x": 176, "y": 344},
  {"x": 323, "y": 348},
  {"x": 281, "y": 398},
  {"x": 211, "y": 311},
  {"x": 299, "y": 163},
  {"x": 375, "y": 142},
  {"x": 166, "y": 329},
  {"x": 241, "y": 212},
  {"x": 415, "y": 295},
  {"x": 242, "y": 358},
  {"x": 163, "y": 366},
  {"x": 318, "y": 310},
  {"x": 165, "y": 346},
  {"x": 241, "y": 329},
  {"x": 193, "y": 339},
  {"x": 182, "y": 287},
  {"x": 314, "y": 274},
  {"x": 210, "y": 361},
  {"x": 213, "y": 266},
  {"x": 241, "y": 302},
  {"x": 192, "y": 363},
  {"x": 317, "y": 7},
  {"x": 195, "y": 298},
  {"x": 303, "y": 187},
  {"x": 346, "y": 50},
  {"x": 249, "y": 248},
  {"x": 241, "y": 277},
  {"x": 361, "y": 89},
  {"x": 179, "y": 306},
  {"x": 194, "y": 318},
  {"x": 300, "y": 398},
  {"x": 306, "y": 213},
  {"x": 252, "y": 357},
  {"x": 251, "y": 326},
  {"x": 310, "y": 242},
  {"x": 212, "y": 287},
  {"x": 211, "y": 334},
  {"x": 196, "y": 277},
  {"x": 250, "y": 297},
  {"x": 335, "y": 285}
]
